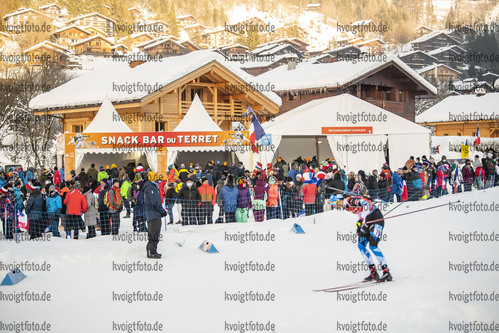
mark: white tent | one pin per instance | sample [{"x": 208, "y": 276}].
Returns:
[
  {"x": 349, "y": 113},
  {"x": 107, "y": 120},
  {"x": 197, "y": 119}
]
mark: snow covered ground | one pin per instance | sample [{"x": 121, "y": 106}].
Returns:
[{"x": 196, "y": 286}]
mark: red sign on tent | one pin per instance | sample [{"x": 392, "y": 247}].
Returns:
[{"x": 348, "y": 130}]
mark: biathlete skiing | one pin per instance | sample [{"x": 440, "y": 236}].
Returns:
[{"x": 367, "y": 232}]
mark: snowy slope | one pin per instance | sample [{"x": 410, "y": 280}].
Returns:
[{"x": 193, "y": 283}]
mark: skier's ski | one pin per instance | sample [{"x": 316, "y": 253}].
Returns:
[
  {"x": 363, "y": 285},
  {"x": 344, "y": 286}
]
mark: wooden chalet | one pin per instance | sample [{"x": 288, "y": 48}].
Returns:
[
  {"x": 119, "y": 48},
  {"x": 391, "y": 85},
  {"x": 221, "y": 91},
  {"x": 421, "y": 30},
  {"x": 259, "y": 67},
  {"x": 234, "y": 49},
  {"x": 417, "y": 59},
  {"x": 27, "y": 16},
  {"x": 446, "y": 118},
  {"x": 186, "y": 20},
  {"x": 96, "y": 31},
  {"x": 491, "y": 78},
  {"x": 219, "y": 37},
  {"x": 46, "y": 53},
  {"x": 52, "y": 9},
  {"x": 433, "y": 41},
  {"x": 439, "y": 73},
  {"x": 447, "y": 54},
  {"x": 69, "y": 35},
  {"x": 189, "y": 46},
  {"x": 165, "y": 47},
  {"x": 96, "y": 46},
  {"x": 347, "y": 52},
  {"x": 138, "y": 38},
  {"x": 96, "y": 20},
  {"x": 372, "y": 47}
]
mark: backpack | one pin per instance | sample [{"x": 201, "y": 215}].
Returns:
[
  {"x": 117, "y": 198},
  {"x": 417, "y": 183}
]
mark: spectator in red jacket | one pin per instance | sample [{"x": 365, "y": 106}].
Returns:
[
  {"x": 76, "y": 205},
  {"x": 57, "y": 177},
  {"x": 309, "y": 191},
  {"x": 480, "y": 176}
]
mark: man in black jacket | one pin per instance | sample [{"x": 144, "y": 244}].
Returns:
[
  {"x": 489, "y": 167},
  {"x": 154, "y": 212},
  {"x": 190, "y": 199}
]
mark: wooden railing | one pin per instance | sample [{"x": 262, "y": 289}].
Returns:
[{"x": 222, "y": 108}]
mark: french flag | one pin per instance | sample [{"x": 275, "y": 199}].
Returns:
[
  {"x": 477, "y": 137},
  {"x": 256, "y": 131}
]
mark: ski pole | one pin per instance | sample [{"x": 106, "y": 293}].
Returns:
[{"x": 416, "y": 211}]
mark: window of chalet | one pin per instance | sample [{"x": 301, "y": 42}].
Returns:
[
  {"x": 194, "y": 92},
  {"x": 77, "y": 128},
  {"x": 161, "y": 126},
  {"x": 402, "y": 96}
]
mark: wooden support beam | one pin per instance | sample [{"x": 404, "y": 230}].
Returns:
[{"x": 215, "y": 102}]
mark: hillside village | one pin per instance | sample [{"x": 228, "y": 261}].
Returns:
[{"x": 255, "y": 44}]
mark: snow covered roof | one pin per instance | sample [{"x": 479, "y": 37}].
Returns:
[
  {"x": 258, "y": 64},
  {"x": 24, "y": 11},
  {"x": 431, "y": 35},
  {"x": 107, "y": 120},
  {"x": 234, "y": 45},
  {"x": 303, "y": 120},
  {"x": 71, "y": 27},
  {"x": 90, "y": 89},
  {"x": 443, "y": 49},
  {"x": 341, "y": 48},
  {"x": 309, "y": 76},
  {"x": 454, "y": 107},
  {"x": 431, "y": 67},
  {"x": 91, "y": 38},
  {"x": 49, "y": 45},
  {"x": 50, "y": 5},
  {"x": 139, "y": 34},
  {"x": 161, "y": 41},
  {"x": 91, "y": 14},
  {"x": 197, "y": 119}
]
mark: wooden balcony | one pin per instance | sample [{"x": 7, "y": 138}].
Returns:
[{"x": 235, "y": 109}]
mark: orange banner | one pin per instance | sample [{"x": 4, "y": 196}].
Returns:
[{"x": 347, "y": 130}]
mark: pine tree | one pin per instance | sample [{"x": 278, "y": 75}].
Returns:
[{"x": 172, "y": 20}]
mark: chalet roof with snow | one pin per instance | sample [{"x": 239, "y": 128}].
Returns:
[
  {"x": 23, "y": 11},
  {"x": 161, "y": 41},
  {"x": 52, "y": 46},
  {"x": 50, "y": 5},
  {"x": 432, "y": 67},
  {"x": 92, "y": 38},
  {"x": 90, "y": 89},
  {"x": 456, "y": 106},
  {"x": 335, "y": 75},
  {"x": 89, "y": 15},
  {"x": 432, "y": 35},
  {"x": 71, "y": 27}
]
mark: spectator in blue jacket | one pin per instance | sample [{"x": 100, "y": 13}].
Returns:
[
  {"x": 229, "y": 195},
  {"x": 54, "y": 207},
  {"x": 293, "y": 172},
  {"x": 397, "y": 187},
  {"x": 18, "y": 195}
]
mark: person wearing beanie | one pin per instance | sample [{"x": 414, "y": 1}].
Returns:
[
  {"x": 190, "y": 199},
  {"x": 489, "y": 167},
  {"x": 83, "y": 178},
  {"x": 57, "y": 177},
  {"x": 259, "y": 199},
  {"x": 172, "y": 174},
  {"x": 183, "y": 173},
  {"x": 54, "y": 208},
  {"x": 208, "y": 200},
  {"x": 243, "y": 201}
]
